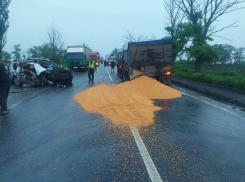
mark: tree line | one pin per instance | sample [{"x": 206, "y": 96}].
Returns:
[
  {"x": 51, "y": 49},
  {"x": 192, "y": 25}
]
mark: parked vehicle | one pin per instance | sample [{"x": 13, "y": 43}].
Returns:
[
  {"x": 150, "y": 58},
  {"x": 42, "y": 72},
  {"x": 13, "y": 75},
  {"x": 95, "y": 56},
  {"x": 120, "y": 62},
  {"x": 78, "y": 57}
]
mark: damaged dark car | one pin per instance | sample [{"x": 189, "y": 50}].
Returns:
[{"x": 43, "y": 72}]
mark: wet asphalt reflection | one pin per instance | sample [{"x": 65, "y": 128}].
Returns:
[{"x": 50, "y": 138}]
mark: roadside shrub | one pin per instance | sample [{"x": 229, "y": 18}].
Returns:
[{"x": 226, "y": 78}]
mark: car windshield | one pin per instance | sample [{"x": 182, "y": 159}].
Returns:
[
  {"x": 50, "y": 65},
  {"x": 93, "y": 57}
]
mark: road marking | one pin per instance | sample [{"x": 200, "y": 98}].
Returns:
[
  {"x": 226, "y": 110},
  {"x": 109, "y": 74},
  {"x": 18, "y": 103},
  {"x": 152, "y": 171}
]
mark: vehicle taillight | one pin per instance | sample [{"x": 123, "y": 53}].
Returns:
[
  {"x": 168, "y": 73},
  {"x": 120, "y": 66}
]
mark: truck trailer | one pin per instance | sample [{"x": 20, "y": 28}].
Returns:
[
  {"x": 95, "y": 56},
  {"x": 78, "y": 57},
  {"x": 149, "y": 58}
]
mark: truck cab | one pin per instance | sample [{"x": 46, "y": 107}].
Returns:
[
  {"x": 77, "y": 57},
  {"x": 95, "y": 56}
]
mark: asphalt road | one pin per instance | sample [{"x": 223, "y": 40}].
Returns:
[{"x": 47, "y": 136}]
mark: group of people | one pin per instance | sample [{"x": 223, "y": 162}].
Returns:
[
  {"x": 5, "y": 85},
  {"x": 92, "y": 67}
]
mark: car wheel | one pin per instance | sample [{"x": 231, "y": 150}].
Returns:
[
  {"x": 44, "y": 81},
  {"x": 17, "y": 81}
]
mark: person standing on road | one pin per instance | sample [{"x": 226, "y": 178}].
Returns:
[
  {"x": 91, "y": 67},
  {"x": 5, "y": 85},
  {"x": 112, "y": 65}
]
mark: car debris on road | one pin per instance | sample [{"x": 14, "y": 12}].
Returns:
[{"x": 39, "y": 72}]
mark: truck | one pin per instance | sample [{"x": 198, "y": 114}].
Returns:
[
  {"x": 101, "y": 60},
  {"x": 78, "y": 57},
  {"x": 95, "y": 56},
  {"x": 109, "y": 58},
  {"x": 150, "y": 58}
]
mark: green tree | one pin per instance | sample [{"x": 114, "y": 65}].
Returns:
[
  {"x": 115, "y": 52},
  {"x": 177, "y": 29},
  {"x": 64, "y": 55},
  {"x": 17, "y": 52},
  {"x": 5, "y": 57},
  {"x": 180, "y": 35},
  {"x": 4, "y": 24},
  {"x": 238, "y": 55},
  {"x": 202, "y": 15},
  {"x": 55, "y": 44},
  {"x": 203, "y": 53},
  {"x": 224, "y": 53},
  {"x": 35, "y": 52}
]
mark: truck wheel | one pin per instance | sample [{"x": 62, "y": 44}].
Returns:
[
  {"x": 125, "y": 77},
  {"x": 44, "y": 81},
  {"x": 160, "y": 79},
  {"x": 167, "y": 81}
]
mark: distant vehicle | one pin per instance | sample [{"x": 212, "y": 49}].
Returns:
[
  {"x": 95, "y": 56},
  {"x": 42, "y": 72},
  {"x": 101, "y": 60},
  {"x": 109, "y": 58},
  {"x": 78, "y": 57},
  {"x": 13, "y": 75},
  {"x": 150, "y": 58}
]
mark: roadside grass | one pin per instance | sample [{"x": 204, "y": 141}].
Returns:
[{"x": 225, "y": 78}]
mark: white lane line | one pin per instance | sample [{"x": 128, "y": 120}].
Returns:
[
  {"x": 109, "y": 74},
  {"x": 18, "y": 103},
  {"x": 152, "y": 171},
  {"x": 226, "y": 110}
]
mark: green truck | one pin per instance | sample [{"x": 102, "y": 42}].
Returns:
[{"x": 78, "y": 57}]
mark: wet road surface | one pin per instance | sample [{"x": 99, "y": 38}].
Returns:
[{"x": 48, "y": 137}]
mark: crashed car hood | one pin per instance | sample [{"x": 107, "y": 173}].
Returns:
[{"x": 39, "y": 69}]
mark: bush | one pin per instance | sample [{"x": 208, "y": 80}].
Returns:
[{"x": 226, "y": 78}]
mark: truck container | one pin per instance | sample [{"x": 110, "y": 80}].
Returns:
[
  {"x": 95, "y": 56},
  {"x": 149, "y": 58},
  {"x": 78, "y": 57}
]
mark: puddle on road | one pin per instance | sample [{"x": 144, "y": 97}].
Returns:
[{"x": 126, "y": 103}]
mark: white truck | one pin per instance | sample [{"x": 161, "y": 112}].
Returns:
[{"x": 109, "y": 58}]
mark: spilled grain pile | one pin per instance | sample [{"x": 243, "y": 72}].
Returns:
[{"x": 126, "y": 103}]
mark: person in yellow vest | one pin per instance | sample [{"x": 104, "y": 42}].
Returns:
[{"x": 91, "y": 67}]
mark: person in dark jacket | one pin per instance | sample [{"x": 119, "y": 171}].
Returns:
[
  {"x": 112, "y": 66},
  {"x": 5, "y": 84}
]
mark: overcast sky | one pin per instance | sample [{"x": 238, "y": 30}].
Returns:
[{"x": 99, "y": 23}]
